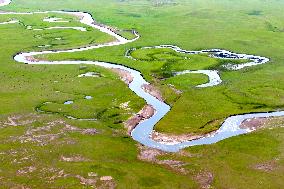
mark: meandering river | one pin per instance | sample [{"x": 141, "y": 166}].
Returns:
[{"x": 142, "y": 132}]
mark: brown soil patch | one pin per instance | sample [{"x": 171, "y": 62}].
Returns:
[
  {"x": 175, "y": 139},
  {"x": 50, "y": 132},
  {"x": 18, "y": 186},
  {"x": 267, "y": 166},
  {"x": 76, "y": 158},
  {"x": 109, "y": 184},
  {"x": 204, "y": 179},
  {"x": 19, "y": 156},
  {"x": 89, "y": 131},
  {"x": 92, "y": 180},
  {"x": 153, "y": 91},
  {"x": 151, "y": 155},
  {"x": 31, "y": 59},
  {"x": 56, "y": 174},
  {"x": 258, "y": 123},
  {"x": 19, "y": 120},
  {"x": 100, "y": 183},
  {"x": 106, "y": 178},
  {"x": 87, "y": 181},
  {"x": 125, "y": 76},
  {"x": 147, "y": 112},
  {"x": 253, "y": 123},
  {"x": 26, "y": 170}
]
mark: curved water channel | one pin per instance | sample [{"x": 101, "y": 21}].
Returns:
[{"x": 142, "y": 132}]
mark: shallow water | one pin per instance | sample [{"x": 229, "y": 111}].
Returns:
[
  {"x": 69, "y": 102},
  {"x": 88, "y": 97},
  {"x": 55, "y": 20}
]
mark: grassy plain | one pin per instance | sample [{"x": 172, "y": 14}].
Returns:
[{"x": 252, "y": 27}]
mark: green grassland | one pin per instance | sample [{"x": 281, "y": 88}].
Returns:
[{"x": 253, "y": 27}]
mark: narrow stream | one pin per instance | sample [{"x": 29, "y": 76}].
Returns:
[{"x": 231, "y": 126}]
